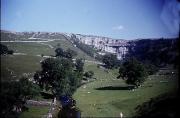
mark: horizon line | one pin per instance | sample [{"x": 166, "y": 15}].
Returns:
[{"x": 90, "y": 35}]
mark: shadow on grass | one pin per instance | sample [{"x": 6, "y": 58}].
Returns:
[
  {"x": 163, "y": 106},
  {"x": 116, "y": 88}
]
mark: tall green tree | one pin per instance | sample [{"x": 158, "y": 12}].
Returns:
[
  {"x": 14, "y": 95},
  {"x": 70, "y": 53},
  {"x": 59, "y": 52},
  {"x": 133, "y": 72},
  {"x": 110, "y": 60},
  {"x": 79, "y": 65},
  {"x": 58, "y": 75}
]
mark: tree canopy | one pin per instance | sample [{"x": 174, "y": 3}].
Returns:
[
  {"x": 69, "y": 53},
  {"x": 14, "y": 95},
  {"x": 4, "y": 50},
  {"x": 110, "y": 60},
  {"x": 58, "y": 75},
  {"x": 133, "y": 72}
]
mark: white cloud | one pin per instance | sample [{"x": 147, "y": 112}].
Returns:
[{"x": 119, "y": 27}]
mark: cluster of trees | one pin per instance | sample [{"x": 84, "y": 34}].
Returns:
[
  {"x": 131, "y": 70},
  {"x": 5, "y": 50},
  {"x": 88, "y": 75},
  {"x": 157, "y": 52},
  {"x": 61, "y": 75},
  {"x": 144, "y": 58},
  {"x": 14, "y": 95},
  {"x": 110, "y": 61},
  {"x": 67, "y": 54}
]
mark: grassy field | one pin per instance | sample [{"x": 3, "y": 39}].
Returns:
[
  {"x": 65, "y": 44},
  {"x": 104, "y": 97},
  {"x": 30, "y": 48},
  {"x": 45, "y": 48},
  {"x": 113, "y": 100},
  {"x": 14, "y": 66},
  {"x": 35, "y": 112}
]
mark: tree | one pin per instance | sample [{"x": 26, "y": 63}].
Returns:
[
  {"x": 89, "y": 74},
  {"x": 58, "y": 75},
  {"x": 10, "y": 52},
  {"x": 14, "y": 95},
  {"x": 66, "y": 54},
  {"x": 4, "y": 49},
  {"x": 59, "y": 52},
  {"x": 79, "y": 65},
  {"x": 109, "y": 60},
  {"x": 133, "y": 72},
  {"x": 70, "y": 53}
]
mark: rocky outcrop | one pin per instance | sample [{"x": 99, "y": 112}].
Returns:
[{"x": 119, "y": 47}]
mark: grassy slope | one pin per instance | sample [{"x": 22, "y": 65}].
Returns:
[
  {"x": 109, "y": 103},
  {"x": 65, "y": 44},
  {"x": 35, "y": 112},
  {"x": 19, "y": 64},
  {"x": 33, "y": 48}
]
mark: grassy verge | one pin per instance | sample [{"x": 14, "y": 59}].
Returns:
[
  {"x": 14, "y": 66},
  {"x": 35, "y": 112},
  {"x": 110, "y": 102}
]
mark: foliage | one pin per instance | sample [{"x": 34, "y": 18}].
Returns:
[
  {"x": 79, "y": 65},
  {"x": 69, "y": 110},
  {"x": 58, "y": 75},
  {"x": 67, "y": 54},
  {"x": 14, "y": 95},
  {"x": 89, "y": 74},
  {"x": 59, "y": 52},
  {"x": 151, "y": 69},
  {"x": 158, "y": 52},
  {"x": 5, "y": 50},
  {"x": 133, "y": 72},
  {"x": 162, "y": 106},
  {"x": 110, "y": 60},
  {"x": 70, "y": 53}
]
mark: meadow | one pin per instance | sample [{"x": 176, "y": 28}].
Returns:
[
  {"x": 35, "y": 112},
  {"x": 106, "y": 96}
]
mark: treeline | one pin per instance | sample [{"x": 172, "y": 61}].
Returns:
[
  {"x": 14, "y": 95},
  {"x": 157, "y": 52},
  {"x": 4, "y": 50}
]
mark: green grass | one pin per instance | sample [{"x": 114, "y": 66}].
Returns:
[
  {"x": 30, "y": 48},
  {"x": 65, "y": 44},
  {"x": 97, "y": 103},
  {"x": 34, "y": 48},
  {"x": 19, "y": 64},
  {"x": 109, "y": 103},
  {"x": 35, "y": 112}
]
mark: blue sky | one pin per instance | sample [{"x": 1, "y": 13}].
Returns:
[{"x": 122, "y": 19}]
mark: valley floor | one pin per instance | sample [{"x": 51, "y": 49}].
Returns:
[{"x": 108, "y": 96}]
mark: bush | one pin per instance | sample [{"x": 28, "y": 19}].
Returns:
[{"x": 89, "y": 74}]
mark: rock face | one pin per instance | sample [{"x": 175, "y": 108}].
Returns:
[
  {"x": 119, "y": 47},
  {"x": 104, "y": 45}
]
